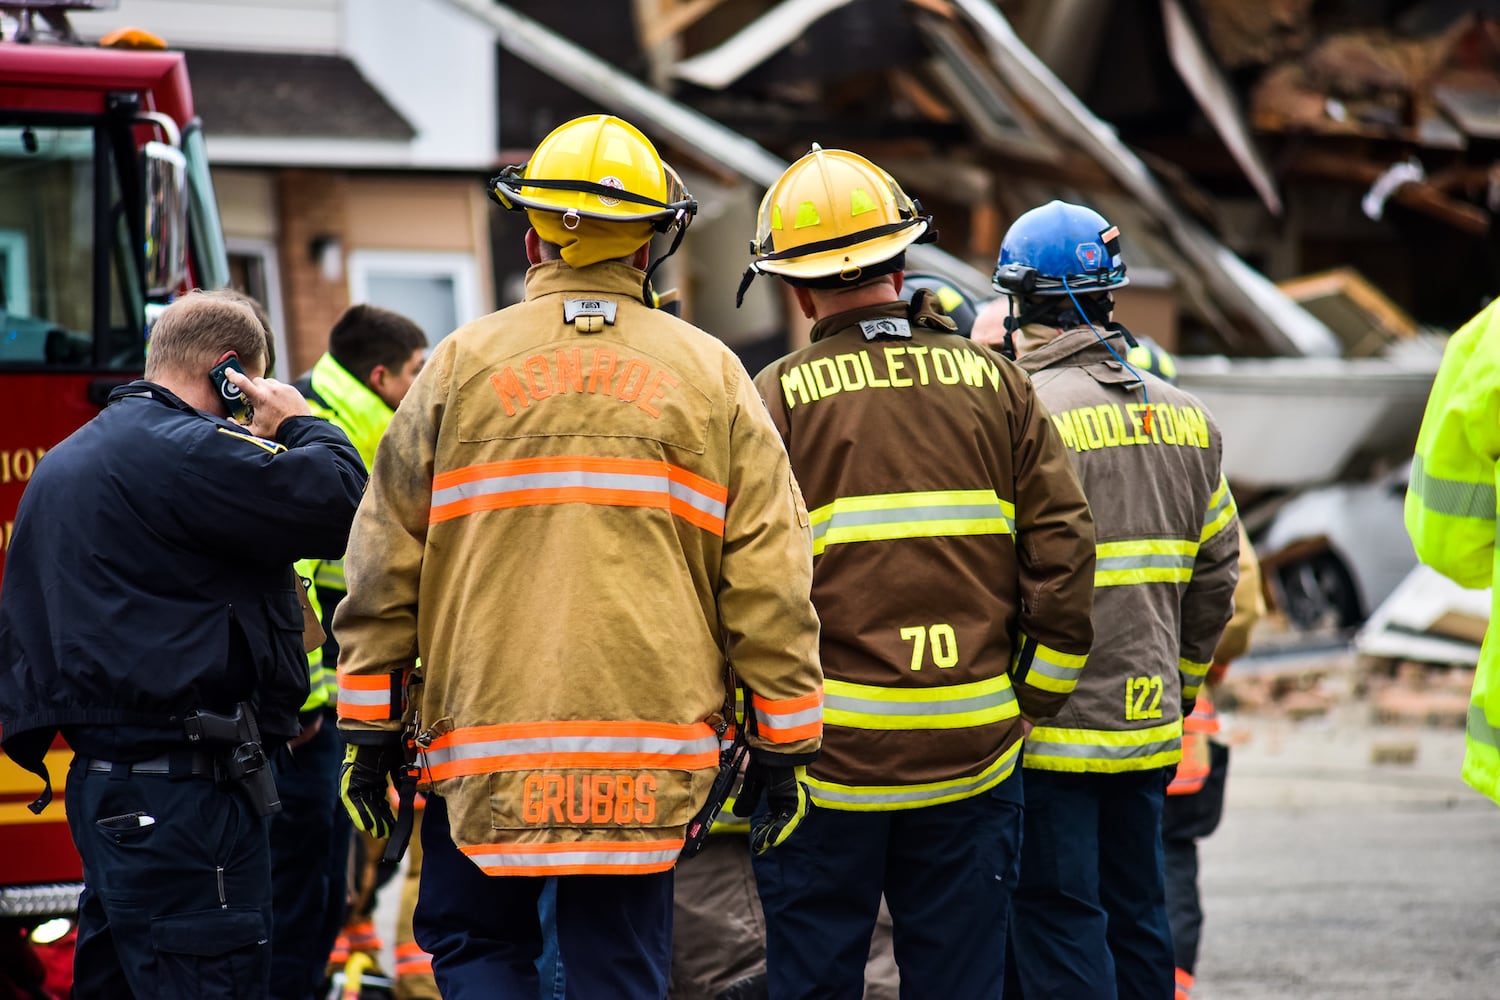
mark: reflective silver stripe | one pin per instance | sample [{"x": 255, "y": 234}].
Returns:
[
  {"x": 578, "y": 479},
  {"x": 1153, "y": 561},
  {"x": 1479, "y": 729},
  {"x": 902, "y": 515},
  {"x": 952, "y": 706},
  {"x": 1453, "y": 497},
  {"x": 1056, "y": 671},
  {"x": 351, "y": 697},
  {"x": 500, "y": 858},
  {"x": 1093, "y": 751},
  {"x": 789, "y": 720},
  {"x": 571, "y": 744}
]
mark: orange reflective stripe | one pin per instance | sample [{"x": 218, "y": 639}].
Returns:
[
  {"x": 369, "y": 697},
  {"x": 788, "y": 720},
  {"x": 566, "y": 745},
  {"x": 411, "y": 960},
  {"x": 589, "y": 857},
  {"x": 610, "y": 482},
  {"x": 1184, "y": 985},
  {"x": 1192, "y": 769},
  {"x": 1205, "y": 719}
]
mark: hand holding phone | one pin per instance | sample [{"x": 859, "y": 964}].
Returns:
[{"x": 233, "y": 396}]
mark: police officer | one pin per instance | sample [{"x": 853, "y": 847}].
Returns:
[
  {"x": 149, "y": 612},
  {"x": 373, "y": 357},
  {"x": 580, "y": 512},
  {"x": 1090, "y": 921},
  {"x": 953, "y": 575}
]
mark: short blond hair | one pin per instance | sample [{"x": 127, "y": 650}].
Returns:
[{"x": 194, "y": 331}]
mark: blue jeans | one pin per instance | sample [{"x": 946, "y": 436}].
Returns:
[
  {"x": 487, "y": 934},
  {"x": 947, "y": 873},
  {"x": 1090, "y": 914}
]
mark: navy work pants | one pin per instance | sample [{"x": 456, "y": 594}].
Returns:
[
  {"x": 177, "y": 888},
  {"x": 1090, "y": 918},
  {"x": 310, "y": 842},
  {"x": 485, "y": 935},
  {"x": 947, "y": 872}
]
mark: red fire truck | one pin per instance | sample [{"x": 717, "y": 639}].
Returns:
[{"x": 106, "y": 212}]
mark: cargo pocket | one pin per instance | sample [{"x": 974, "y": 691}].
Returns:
[{"x": 224, "y": 954}]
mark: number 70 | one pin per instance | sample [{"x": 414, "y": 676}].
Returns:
[{"x": 940, "y": 638}]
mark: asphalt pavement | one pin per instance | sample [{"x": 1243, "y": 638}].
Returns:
[{"x": 1335, "y": 877}]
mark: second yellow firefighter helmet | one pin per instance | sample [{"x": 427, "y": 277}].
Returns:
[
  {"x": 834, "y": 218},
  {"x": 597, "y": 188}
]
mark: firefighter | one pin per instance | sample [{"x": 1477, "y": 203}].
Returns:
[
  {"x": 1450, "y": 510},
  {"x": 953, "y": 575},
  {"x": 1195, "y": 797},
  {"x": 171, "y": 651},
  {"x": 1090, "y": 920},
  {"x": 580, "y": 512}
]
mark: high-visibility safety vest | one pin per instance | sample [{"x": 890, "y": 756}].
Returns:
[
  {"x": 338, "y": 397},
  {"x": 1451, "y": 510},
  {"x": 954, "y": 554},
  {"x": 1168, "y": 551},
  {"x": 579, "y": 515},
  {"x": 1197, "y": 729}
]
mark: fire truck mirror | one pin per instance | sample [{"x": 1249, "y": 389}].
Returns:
[{"x": 164, "y": 174}]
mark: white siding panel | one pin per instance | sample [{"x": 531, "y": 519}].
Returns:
[{"x": 274, "y": 25}]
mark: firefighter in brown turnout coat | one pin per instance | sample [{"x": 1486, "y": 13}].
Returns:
[{"x": 953, "y": 576}]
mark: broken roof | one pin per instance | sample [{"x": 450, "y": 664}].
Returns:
[{"x": 1017, "y": 120}]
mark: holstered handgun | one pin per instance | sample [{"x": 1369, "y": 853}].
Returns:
[{"x": 238, "y": 755}]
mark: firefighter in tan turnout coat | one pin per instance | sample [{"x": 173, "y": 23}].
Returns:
[
  {"x": 580, "y": 512},
  {"x": 1090, "y": 918}
]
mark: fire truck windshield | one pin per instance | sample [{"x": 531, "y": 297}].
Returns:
[{"x": 70, "y": 293}]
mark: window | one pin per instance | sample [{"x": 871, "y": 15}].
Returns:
[
  {"x": 69, "y": 284},
  {"x": 253, "y": 270},
  {"x": 437, "y": 291}
]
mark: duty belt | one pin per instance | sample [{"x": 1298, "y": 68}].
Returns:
[{"x": 183, "y": 763}]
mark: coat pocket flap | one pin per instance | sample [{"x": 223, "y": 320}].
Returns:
[{"x": 208, "y": 932}]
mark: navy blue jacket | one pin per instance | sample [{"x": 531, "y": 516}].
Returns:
[{"x": 149, "y": 572}]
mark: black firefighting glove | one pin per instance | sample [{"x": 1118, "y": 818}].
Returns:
[
  {"x": 364, "y": 785},
  {"x": 786, "y": 798}
]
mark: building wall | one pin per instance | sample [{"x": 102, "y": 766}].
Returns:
[
  {"x": 312, "y": 216},
  {"x": 278, "y": 25}
]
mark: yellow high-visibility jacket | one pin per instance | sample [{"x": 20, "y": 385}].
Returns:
[
  {"x": 1450, "y": 509},
  {"x": 337, "y": 396},
  {"x": 580, "y": 512}
]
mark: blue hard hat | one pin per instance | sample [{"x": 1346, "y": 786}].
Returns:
[{"x": 1059, "y": 243}]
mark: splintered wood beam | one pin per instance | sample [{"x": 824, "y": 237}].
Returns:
[
  {"x": 674, "y": 19},
  {"x": 1420, "y": 196}
]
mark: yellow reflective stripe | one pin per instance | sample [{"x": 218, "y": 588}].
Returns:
[
  {"x": 885, "y": 516},
  {"x": 871, "y": 798},
  {"x": 954, "y": 706},
  {"x": 330, "y": 575},
  {"x": 1452, "y": 497},
  {"x": 1051, "y": 748},
  {"x": 1051, "y": 670},
  {"x": 1192, "y": 674},
  {"x": 1145, "y": 560},
  {"x": 1221, "y": 511}
]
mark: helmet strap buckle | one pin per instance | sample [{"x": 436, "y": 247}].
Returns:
[{"x": 571, "y": 219}]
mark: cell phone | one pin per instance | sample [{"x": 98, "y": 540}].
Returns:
[{"x": 239, "y": 407}]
